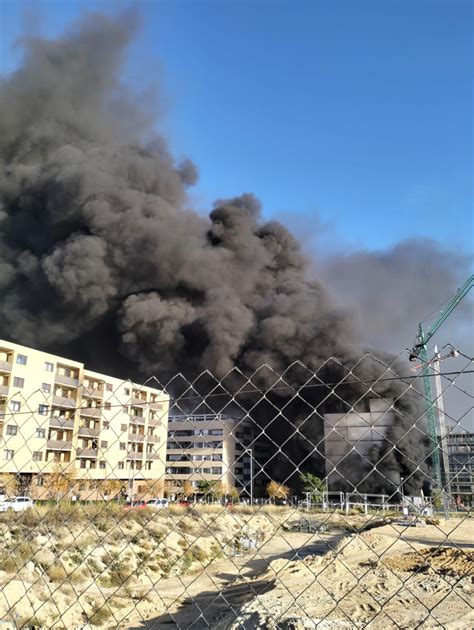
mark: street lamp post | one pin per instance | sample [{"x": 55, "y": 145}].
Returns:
[
  {"x": 249, "y": 452},
  {"x": 402, "y": 479}
]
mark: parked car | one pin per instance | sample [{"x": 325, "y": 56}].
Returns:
[
  {"x": 158, "y": 504},
  {"x": 17, "y": 504},
  {"x": 134, "y": 505}
]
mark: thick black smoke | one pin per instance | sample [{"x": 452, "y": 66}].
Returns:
[
  {"x": 95, "y": 221},
  {"x": 98, "y": 247}
]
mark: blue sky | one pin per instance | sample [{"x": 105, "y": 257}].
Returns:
[{"x": 356, "y": 115}]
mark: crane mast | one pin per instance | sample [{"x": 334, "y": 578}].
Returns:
[{"x": 419, "y": 351}]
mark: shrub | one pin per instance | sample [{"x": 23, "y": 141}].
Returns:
[
  {"x": 100, "y": 614},
  {"x": 57, "y": 573}
]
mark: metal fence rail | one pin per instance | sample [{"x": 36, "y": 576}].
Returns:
[{"x": 302, "y": 499}]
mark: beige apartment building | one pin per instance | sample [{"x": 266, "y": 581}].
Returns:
[
  {"x": 209, "y": 448},
  {"x": 102, "y": 434}
]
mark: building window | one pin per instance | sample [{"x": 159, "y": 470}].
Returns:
[
  {"x": 15, "y": 405},
  {"x": 102, "y": 465},
  {"x": 49, "y": 367},
  {"x": 109, "y": 387},
  {"x": 18, "y": 382},
  {"x": 107, "y": 406},
  {"x": 21, "y": 359},
  {"x": 216, "y": 471},
  {"x": 40, "y": 481},
  {"x": 40, "y": 433},
  {"x": 83, "y": 463},
  {"x": 104, "y": 444},
  {"x": 43, "y": 410},
  {"x": 106, "y": 425},
  {"x": 46, "y": 388},
  {"x": 148, "y": 465},
  {"x": 121, "y": 465},
  {"x": 123, "y": 427},
  {"x": 37, "y": 456},
  {"x": 12, "y": 429},
  {"x": 123, "y": 446},
  {"x": 127, "y": 391},
  {"x": 8, "y": 454}
]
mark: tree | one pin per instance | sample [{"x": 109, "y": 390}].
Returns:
[
  {"x": 188, "y": 489},
  {"x": 312, "y": 484},
  {"x": 61, "y": 480},
  {"x": 111, "y": 488},
  {"x": 10, "y": 483},
  {"x": 215, "y": 489},
  {"x": 154, "y": 487},
  {"x": 277, "y": 490}
]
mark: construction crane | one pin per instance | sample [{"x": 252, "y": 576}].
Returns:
[{"x": 419, "y": 351}]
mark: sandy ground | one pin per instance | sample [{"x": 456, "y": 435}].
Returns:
[{"x": 389, "y": 577}]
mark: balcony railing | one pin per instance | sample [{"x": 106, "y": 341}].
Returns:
[
  {"x": 3, "y": 390},
  {"x": 59, "y": 445},
  {"x": 154, "y": 422},
  {"x": 153, "y": 439},
  {"x": 92, "y": 393},
  {"x": 61, "y": 423},
  {"x": 153, "y": 456},
  {"x": 138, "y": 402},
  {"x": 87, "y": 432},
  {"x": 134, "y": 455},
  {"x": 137, "y": 419},
  {"x": 156, "y": 405},
  {"x": 136, "y": 437},
  {"x": 64, "y": 401},
  {"x": 66, "y": 380},
  {"x": 5, "y": 366},
  {"x": 87, "y": 452},
  {"x": 93, "y": 412}
]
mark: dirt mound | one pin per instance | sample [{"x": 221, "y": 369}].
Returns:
[{"x": 442, "y": 560}]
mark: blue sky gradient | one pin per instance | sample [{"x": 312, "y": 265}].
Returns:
[{"x": 354, "y": 115}]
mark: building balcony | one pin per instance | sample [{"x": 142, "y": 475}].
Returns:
[
  {"x": 90, "y": 392},
  {"x": 5, "y": 366},
  {"x": 138, "y": 402},
  {"x": 153, "y": 456},
  {"x": 158, "y": 406},
  {"x": 92, "y": 412},
  {"x": 154, "y": 422},
  {"x": 59, "y": 445},
  {"x": 3, "y": 390},
  {"x": 66, "y": 380},
  {"x": 136, "y": 437},
  {"x": 60, "y": 423},
  {"x": 137, "y": 419},
  {"x": 63, "y": 401},
  {"x": 153, "y": 439},
  {"x": 90, "y": 453},
  {"x": 85, "y": 432},
  {"x": 134, "y": 455}
]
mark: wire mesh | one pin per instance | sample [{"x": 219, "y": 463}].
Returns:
[{"x": 301, "y": 499}]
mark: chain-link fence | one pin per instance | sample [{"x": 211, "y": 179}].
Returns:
[{"x": 308, "y": 498}]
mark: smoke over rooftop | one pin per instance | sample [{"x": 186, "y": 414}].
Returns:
[
  {"x": 95, "y": 225},
  {"x": 100, "y": 250}
]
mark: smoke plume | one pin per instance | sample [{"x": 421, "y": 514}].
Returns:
[{"x": 99, "y": 249}]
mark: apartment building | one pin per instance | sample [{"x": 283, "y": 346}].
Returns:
[
  {"x": 56, "y": 416},
  {"x": 460, "y": 448},
  {"x": 209, "y": 448},
  {"x": 349, "y": 438}
]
